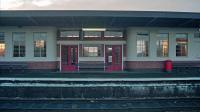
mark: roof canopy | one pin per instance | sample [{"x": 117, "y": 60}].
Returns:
[{"x": 77, "y": 19}]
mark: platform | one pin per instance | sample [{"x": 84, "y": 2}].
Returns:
[{"x": 99, "y": 74}]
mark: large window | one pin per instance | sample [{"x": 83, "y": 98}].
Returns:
[
  {"x": 142, "y": 44},
  {"x": 40, "y": 44},
  {"x": 181, "y": 44},
  {"x": 19, "y": 44},
  {"x": 69, "y": 33},
  {"x": 162, "y": 45},
  {"x": 113, "y": 34},
  {"x": 92, "y": 50},
  {"x": 2, "y": 44},
  {"x": 92, "y": 34}
]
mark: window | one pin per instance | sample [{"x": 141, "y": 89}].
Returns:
[
  {"x": 142, "y": 44},
  {"x": 181, "y": 44},
  {"x": 19, "y": 44},
  {"x": 162, "y": 45},
  {"x": 92, "y": 34},
  {"x": 92, "y": 50},
  {"x": 2, "y": 44},
  {"x": 113, "y": 34},
  {"x": 39, "y": 44},
  {"x": 69, "y": 33}
]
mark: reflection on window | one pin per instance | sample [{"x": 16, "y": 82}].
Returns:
[
  {"x": 92, "y": 50},
  {"x": 181, "y": 44},
  {"x": 19, "y": 44},
  {"x": 69, "y": 33},
  {"x": 142, "y": 48},
  {"x": 162, "y": 45},
  {"x": 2, "y": 49},
  {"x": 92, "y": 34},
  {"x": 39, "y": 44},
  {"x": 142, "y": 44},
  {"x": 40, "y": 48},
  {"x": 113, "y": 34},
  {"x": 2, "y": 44}
]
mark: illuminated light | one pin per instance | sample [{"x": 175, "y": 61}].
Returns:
[{"x": 94, "y": 29}]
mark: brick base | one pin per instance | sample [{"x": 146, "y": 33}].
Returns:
[
  {"x": 43, "y": 65},
  {"x": 144, "y": 65}
]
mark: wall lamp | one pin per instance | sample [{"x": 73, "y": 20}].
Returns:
[{"x": 93, "y": 29}]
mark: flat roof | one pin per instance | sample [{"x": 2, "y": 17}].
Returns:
[{"x": 89, "y": 18}]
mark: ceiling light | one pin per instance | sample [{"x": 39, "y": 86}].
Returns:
[{"x": 94, "y": 29}]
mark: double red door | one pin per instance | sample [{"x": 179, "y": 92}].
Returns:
[
  {"x": 113, "y": 57},
  {"x": 69, "y": 58}
]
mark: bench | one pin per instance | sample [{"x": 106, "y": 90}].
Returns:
[
  {"x": 13, "y": 66},
  {"x": 185, "y": 67},
  {"x": 91, "y": 65}
]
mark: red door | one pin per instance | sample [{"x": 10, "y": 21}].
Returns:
[
  {"x": 113, "y": 58},
  {"x": 69, "y": 58}
]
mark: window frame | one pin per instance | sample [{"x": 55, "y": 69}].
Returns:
[
  {"x": 186, "y": 39},
  {"x": 159, "y": 39},
  {"x": 99, "y": 50},
  {"x": 2, "y": 44},
  {"x": 20, "y": 44},
  {"x": 116, "y": 31},
  {"x": 69, "y": 36},
  {"x": 143, "y": 37},
  {"x": 42, "y": 50},
  {"x": 100, "y": 32}
]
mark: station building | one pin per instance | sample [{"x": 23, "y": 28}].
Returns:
[{"x": 104, "y": 40}]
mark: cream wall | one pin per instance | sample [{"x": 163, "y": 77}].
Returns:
[
  {"x": 193, "y": 44},
  {"x": 51, "y": 43}
]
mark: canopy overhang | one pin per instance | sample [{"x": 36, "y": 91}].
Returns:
[{"x": 80, "y": 19}]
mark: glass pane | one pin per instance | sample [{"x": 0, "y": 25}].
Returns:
[
  {"x": 162, "y": 48},
  {"x": 181, "y": 45},
  {"x": 92, "y": 50},
  {"x": 2, "y": 49},
  {"x": 1, "y": 36},
  {"x": 73, "y": 55},
  {"x": 92, "y": 34},
  {"x": 40, "y": 48},
  {"x": 113, "y": 34},
  {"x": 109, "y": 58},
  {"x": 64, "y": 55},
  {"x": 117, "y": 55},
  {"x": 142, "y": 48},
  {"x": 69, "y": 33}
]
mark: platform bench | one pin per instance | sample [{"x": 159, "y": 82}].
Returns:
[
  {"x": 94, "y": 66},
  {"x": 13, "y": 66},
  {"x": 186, "y": 67}
]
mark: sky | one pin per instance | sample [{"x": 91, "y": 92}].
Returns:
[{"x": 124, "y": 5}]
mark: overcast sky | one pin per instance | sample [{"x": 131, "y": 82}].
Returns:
[{"x": 139, "y": 5}]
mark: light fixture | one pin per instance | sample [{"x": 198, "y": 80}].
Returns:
[{"x": 94, "y": 29}]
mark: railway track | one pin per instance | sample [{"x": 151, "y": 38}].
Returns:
[{"x": 98, "y": 105}]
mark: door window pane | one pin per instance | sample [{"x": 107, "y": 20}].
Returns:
[
  {"x": 117, "y": 55},
  {"x": 64, "y": 55},
  {"x": 73, "y": 55}
]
